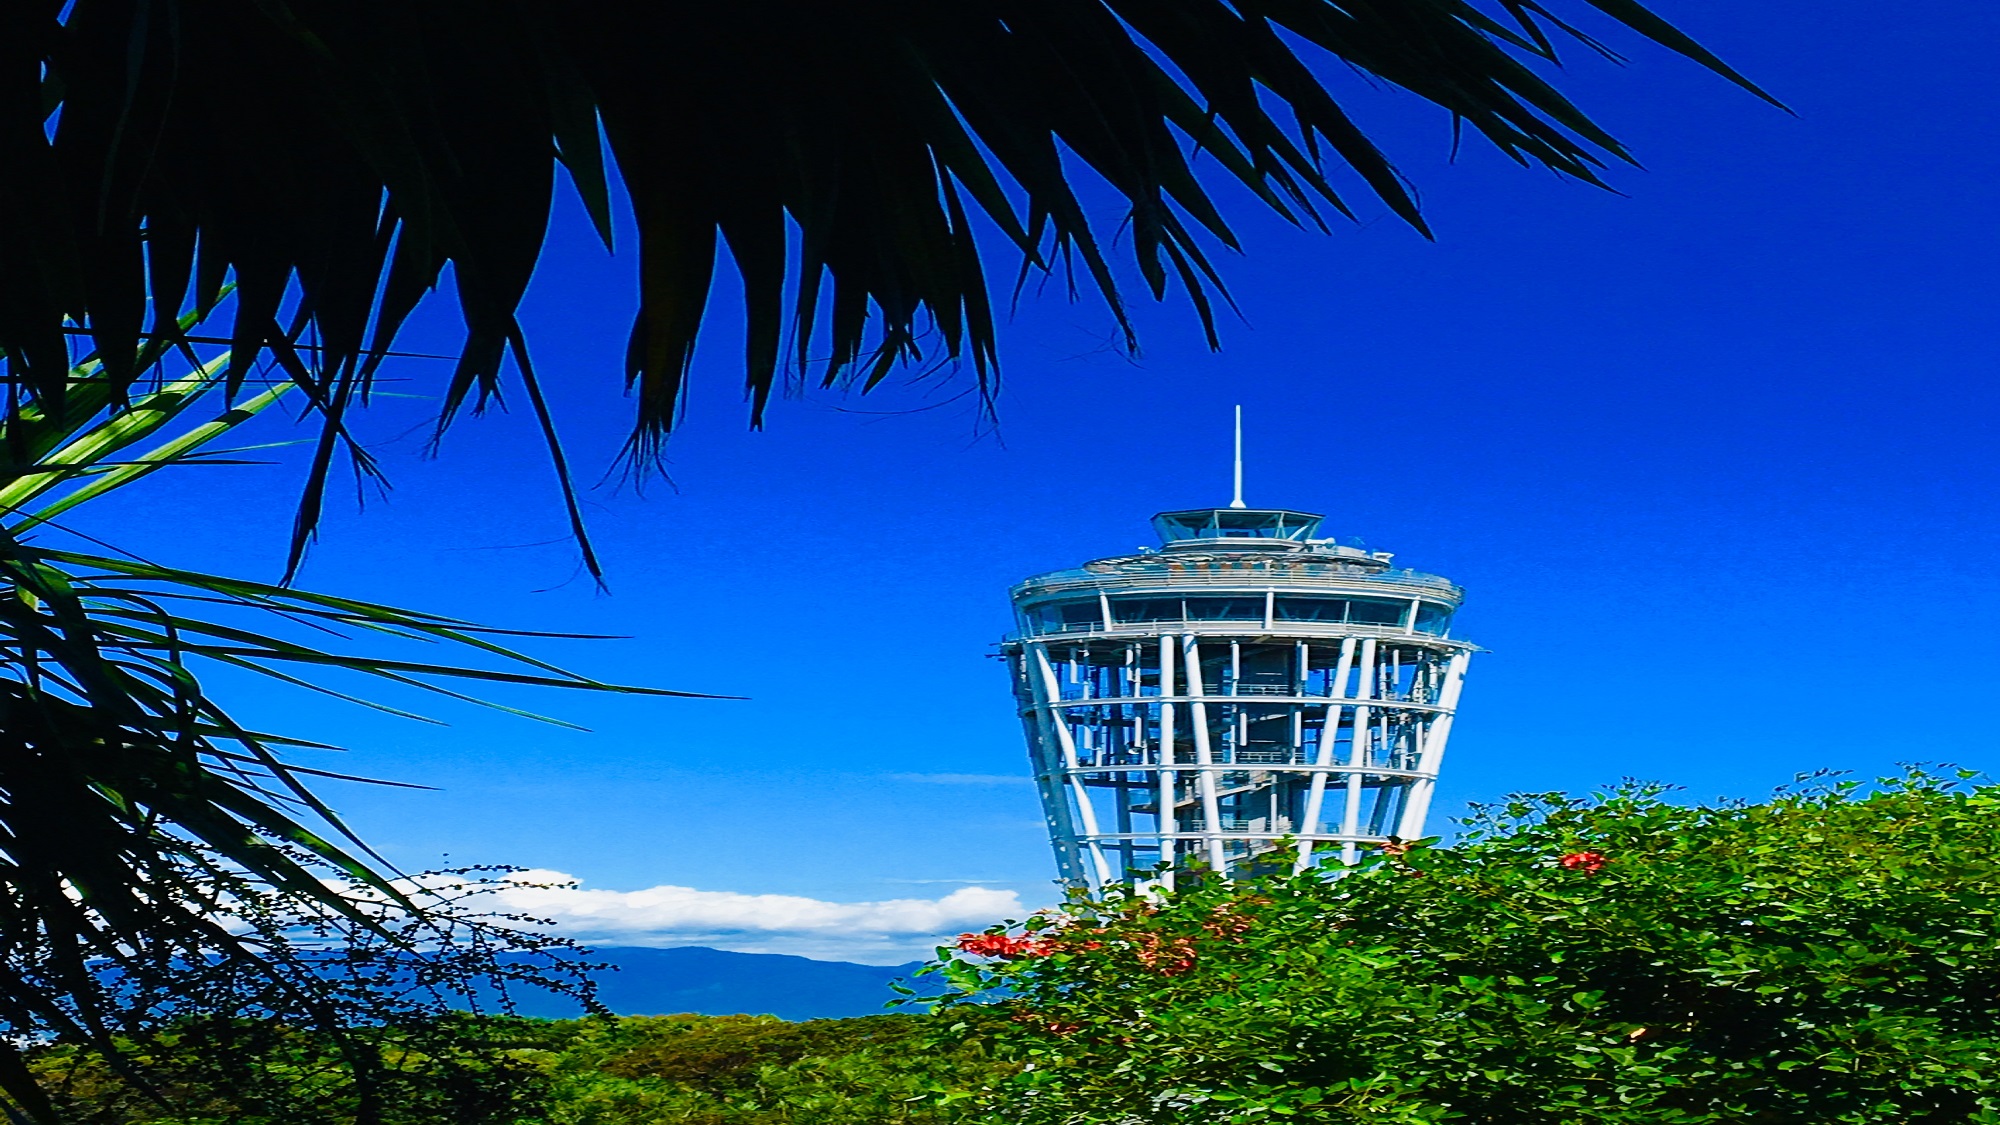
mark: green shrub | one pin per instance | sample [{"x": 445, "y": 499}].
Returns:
[
  {"x": 212, "y": 1071},
  {"x": 687, "y": 1070},
  {"x": 1825, "y": 956},
  {"x": 759, "y": 1070}
]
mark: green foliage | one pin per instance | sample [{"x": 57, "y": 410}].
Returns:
[
  {"x": 1829, "y": 955},
  {"x": 211, "y": 1071},
  {"x": 757, "y": 1070},
  {"x": 723, "y": 1053},
  {"x": 697, "y": 1070}
]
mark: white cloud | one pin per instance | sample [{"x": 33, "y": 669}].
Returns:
[
  {"x": 961, "y": 778},
  {"x": 887, "y": 932}
]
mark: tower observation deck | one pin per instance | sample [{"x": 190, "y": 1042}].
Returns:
[{"x": 1244, "y": 684}]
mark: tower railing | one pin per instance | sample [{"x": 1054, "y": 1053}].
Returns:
[
  {"x": 1231, "y": 628},
  {"x": 1248, "y": 576}
]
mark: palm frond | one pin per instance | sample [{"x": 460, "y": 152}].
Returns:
[
  {"x": 137, "y": 815},
  {"x": 331, "y": 157}
]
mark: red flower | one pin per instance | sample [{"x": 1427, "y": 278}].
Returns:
[
  {"x": 1590, "y": 863},
  {"x": 1002, "y": 945},
  {"x": 984, "y": 945}
]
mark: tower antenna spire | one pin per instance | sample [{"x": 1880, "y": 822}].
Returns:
[{"x": 1237, "y": 502}]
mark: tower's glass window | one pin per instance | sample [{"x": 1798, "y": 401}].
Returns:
[
  {"x": 1353, "y": 611},
  {"x": 1225, "y": 609},
  {"x": 1236, "y": 523},
  {"x": 1127, "y": 610},
  {"x": 1312, "y": 609},
  {"x": 1433, "y": 619},
  {"x": 1068, "y": 615},
  {"x": 1367, "y": 611}
]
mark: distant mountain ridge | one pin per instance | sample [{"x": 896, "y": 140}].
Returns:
[{"x": 714, "y": 982}]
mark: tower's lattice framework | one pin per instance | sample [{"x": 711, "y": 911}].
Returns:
[{"x": 1244, "y": 684}]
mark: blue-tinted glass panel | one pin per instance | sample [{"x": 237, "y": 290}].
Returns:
[
  {"x": 1225, "y": 609},
  {"x": 1126, "y": 610},
  {"x": 1433, "y": 619},
  {"x": 1312, "y": 609},
  {"x": 1069, "y": 615},
  {"x": 1367, "y": 611},
  {"x": 1236, "y": 523}
]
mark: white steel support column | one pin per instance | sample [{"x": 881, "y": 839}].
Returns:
[
  {"x": 1055, "y": 808},
  {"x": 1086, "y": 814},
  {"x": 1329, "y": 735},
  {"x": 1431, "y": 757},
  {"x": 1357, "y": 756},
  {"x": 1204, "y": 758},
  {"x": 1048, "y": 782},
  {"x": 1169, "y": 822},
  {"x": 1299, "y": 652}
]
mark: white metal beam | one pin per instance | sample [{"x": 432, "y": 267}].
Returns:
[
  {"x": 1357, "y": 755},
  {"x": 1431, "y": 758},
  {"x": 1086, "y": 813},
  {"x": 1329, "y": 734},
  {"x": 1211, "y": 808},
  {"x": 1168, "y": 821}
]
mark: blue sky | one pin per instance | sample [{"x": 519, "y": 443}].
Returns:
[{"x": 1713, "y": 457}]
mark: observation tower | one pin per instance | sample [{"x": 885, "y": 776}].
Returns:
[{"x": 1245, "y": 683}]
